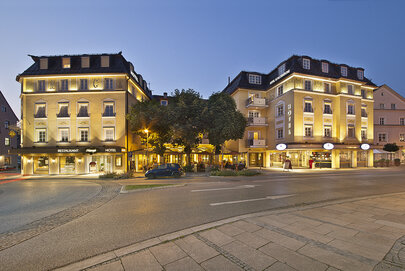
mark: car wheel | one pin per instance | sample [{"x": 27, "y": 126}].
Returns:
[
  {"x": 176, "y": 175},
  {"x": 151, "y": 176}
]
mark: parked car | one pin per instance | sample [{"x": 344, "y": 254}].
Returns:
[{"x": 165, "y": 170}]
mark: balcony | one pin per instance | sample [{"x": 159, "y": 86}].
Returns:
[
  {"x": 256, "y": 143},
  {"x": 363, "y": 114},
  {"x": 257, "y": 102},
  {"x": 257, "y": 121}
]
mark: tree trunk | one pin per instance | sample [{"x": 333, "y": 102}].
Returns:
[{"x": 222, "y": 157}]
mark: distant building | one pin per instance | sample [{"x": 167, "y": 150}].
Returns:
[
  {"x": 389, "y": 120},
  {"x": 9, "y": 136},
  {"x": 74, "y": 110},
  {"x": 311, "y": 111},
  {"x": 162, "y": 99}
]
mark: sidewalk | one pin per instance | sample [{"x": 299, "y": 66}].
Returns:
[{"x": 354, "y": 234}]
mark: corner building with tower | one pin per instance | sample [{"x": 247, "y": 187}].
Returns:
[
  {"x": 73, "y": 114},
  {"x": 313, "y": 112}
]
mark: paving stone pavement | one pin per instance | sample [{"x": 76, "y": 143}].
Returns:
[
  {"x": 108, "y": 191},
  {"x": 359, "y": 234}
]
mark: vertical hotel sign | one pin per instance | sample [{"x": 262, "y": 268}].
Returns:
[{"x": 289, "y": 118}]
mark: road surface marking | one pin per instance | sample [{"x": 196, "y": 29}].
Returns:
[
  {"x": 249, "y": 200},
  {"x": 225, "y": 188}
]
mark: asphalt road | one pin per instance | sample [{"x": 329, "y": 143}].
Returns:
[{"x": 133, "y": 217}]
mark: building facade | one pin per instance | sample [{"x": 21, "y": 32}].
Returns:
[
  {"x": 9, "y": 135},
  {"x": 73, "y": 113},
  {"x": 313, "y": 112},
  {"x": 389, "y": 121}
]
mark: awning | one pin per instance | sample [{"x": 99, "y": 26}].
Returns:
[
  {"x": 67, "y": 150},
  {"x": 380, "y": 151}
]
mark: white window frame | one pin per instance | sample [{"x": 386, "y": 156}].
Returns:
[
  {"x": 360, "y": 74},
  {"x": 37, "y": 106},
  {"x": 280, "y": 133},
  {"x": 401, "y": 121},
  {"x": 38, "y": 137},
  {"x": 327, "y": 103},
  {"x": 280, "y": 110},
  {"x": 350, "y": 105},
  {"x": 281, "y": 69},
  {"x": 327, "y": 127},
  {"x": 6, "y": 124},
  {"x": 6, "y": 141},
  {"x": 364, "y": 131},
  {"x": 349, "y": 127},
  {"x": 382, "y": 106},
  {"x": 163, "y": 102},
  {"x": 327, "y": 89},
  {"x": 108, "y": 103},
  {"x": 380, "y": 136},
  {"x": 280, "y": 90},
  {"x": 254, "y": 114},
  {"x": 61, "y": 134},
  {"x": 393, "y": 106},
  {"x": 105, "y": 129},
  {"x": 350, "y": 89},
  {"x": 41, "y": 85},
  {"x": 60, "y": 105},
  {"x": 255, "y": 79},
  {"x": 382, "y": 121},
  {"x": 310, "y": 84},
  {"x": 108, "y": 83},
  {"x": 343, "y": 71},
  {"x": 311, "y": 127},
  {"x": 80, "y": 104},
  {"x": 306, "y": 63},
  {"x": 312, "y": 108},
  {"x": 84, "y": 129},
  {"x": 84, "y": 86},
  {"x": 325, "y": 67},
  {"x": 64, "y": 84},
  {"x": 66, "y": 62}
]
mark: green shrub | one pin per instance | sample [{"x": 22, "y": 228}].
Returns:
[
  {"x": 224, "y": 173},
  {"x": 188, "y": 168},
  {"x": 248, "y": 172},
  {"x": 108, "y": 175},
  {"x": 125, "y": 175},
  {"x": 397, "y": 161}
]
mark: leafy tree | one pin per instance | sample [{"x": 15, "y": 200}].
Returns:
[
  {"x": 391, "y": 147},
  {"x": 224, "y": 121},
  {"x": 186, "y": 117},
  {"x": 154, "y": 117}
]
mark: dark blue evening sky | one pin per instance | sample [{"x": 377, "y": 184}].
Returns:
[{"x": 198, "y": 44}]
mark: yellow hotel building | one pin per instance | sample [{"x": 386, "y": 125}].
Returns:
[
  {"x": 313, "y": 112},
  {"x": 74, "y": 113}
]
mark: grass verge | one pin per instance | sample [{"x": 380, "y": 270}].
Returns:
[{"x": 144, "y": 186}]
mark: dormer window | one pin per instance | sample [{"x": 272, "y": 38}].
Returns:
[
  {"x": 66, "y": 62},
  {"x": 281, "y": 69},
  {"x": 325, "y": 67},
  {"x": 360, "y": 74},
  {"x": 105, "y": 61},
  {"x": 255, "y": 79},
  {"x": 306, "y": 63},
  {"x": 85, "y": 62},
  {"x": 343, "y": 71},
  {"x": 43, "y": 63}
]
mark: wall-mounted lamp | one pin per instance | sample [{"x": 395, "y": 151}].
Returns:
[
  {"x": 79, "y": 160},
  {"x": 53, "y": 160}
]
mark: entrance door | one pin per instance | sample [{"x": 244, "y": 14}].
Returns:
[
  {"x": 256, "y": 159},
  {"x": 346, "y": 159},
  {"x": 362, "y": 159}
]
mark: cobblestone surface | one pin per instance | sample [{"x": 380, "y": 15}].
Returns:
[
  {"x": 349, "y": 235},
  {"x": 108, "y": 191}
]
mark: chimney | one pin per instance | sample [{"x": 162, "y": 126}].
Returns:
[
  {"x": 165, "y": 94},
  {"x": 229, "y": 80}
]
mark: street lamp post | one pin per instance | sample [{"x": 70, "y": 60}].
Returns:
[{"x": 147, "y": 141}]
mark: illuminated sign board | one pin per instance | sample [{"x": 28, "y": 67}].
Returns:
[
  {"x": 281, "y": 146},
  {"x": 364, "y": 146},
  {"x": 68, "y": 150},
  {"x": 328, "y": 146}
]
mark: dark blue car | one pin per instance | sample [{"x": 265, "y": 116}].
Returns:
[{"x": 165, "y": 170}]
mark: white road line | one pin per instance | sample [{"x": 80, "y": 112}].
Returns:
[
  {"x": 249, "y": 200},
  {"x": 225, "y": 188}
]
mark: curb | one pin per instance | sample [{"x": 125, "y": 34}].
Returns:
[
  {"x": 123, "y": 191},
  {"x": 136, "y": 247}
]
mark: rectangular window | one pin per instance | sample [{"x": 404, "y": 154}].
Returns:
[
  {"x": 308, "y": 130},
  {"x": 308, "y": 106},
  {"x": 350, "y": 131},
  {"x": 325, "y": 67},
  {"x": 63, "y": 110},
  {"x": 281, "y": 69},
  {"x": 254, "y": 114},
  {"x": 6, "y": 124},
  {"x": 109, "y": 134},
  {"x": 41, "y": 135},
  {"x": 84, "y": 134},
  {"x": 402, "y": 137},
  {"x": 381, "y": 106},
  {"x": 108, "y": 109},
  {"x": 163, "y": 102},
  {"x": 85, "y": 62},
  {"x": 7, "y": 141},
  {"x": 280, "y": 133},
  {"x": 326, "y": 87},
  {"x": 306, "y": 63},
  {"x": 364, "y": 133},
  {"x": 308, "y": 85},
  {"x": 118, "y": 161},
  {"x": 350, "y": 109},
  {"x": 327, "y": 108},
  {"x": 66, "y": 62},
  {"x": 363, "y": 93},
  {"x": 108, "y": 83},
  {"x": 401, "y": 121},
  {"x": 382, "y": 121},
  {"x": 41, "y": 85},
  {"x": 3, "y": 108},
  {"x": 393, "y": 107},
  {"x": 64, "y": 85},
  {"x": 83, "y": 84},
  {"x": 83, "y": 109},
  {"x": 280, "y": 90},
  {"x": 105, "y": 61},
  {"x": 382, "y": 137},
  {"x": 343, "y": 71},
  {"x": 63, "y": 134},
  {"x": 40, "y": 110},
  {"x": 364, "y": 112},
  {"x": 280, "y": 110},
  {"x": 255, "y": 79},
  {"x": 350, "y": 89},
  {"x": 43, "y": 63},
  {"x": 327, "y": 130},
  {"x": 360, "y": 74}
]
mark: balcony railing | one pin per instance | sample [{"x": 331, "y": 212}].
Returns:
[
  {"x": 257, "y": 121},
  {"x": 364, "y": 114},
  {"x": 259, "y": 102},
  {"x": 256, "y": 143}
]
